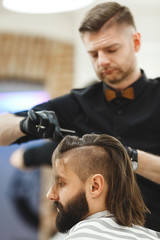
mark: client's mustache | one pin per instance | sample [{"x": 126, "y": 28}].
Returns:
[{"x": 58, "y": 205}]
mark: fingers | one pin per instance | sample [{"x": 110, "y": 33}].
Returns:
[
  {"x": 43, "y": 124},
  {"x": 51, "y": 125},
  {"x": 32, "y": 115},
  {"x": 48, "y": 124},
  {"x": 16, "y": 159}
]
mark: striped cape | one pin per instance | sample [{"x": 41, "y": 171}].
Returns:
[{"x": 106, "y": 228}]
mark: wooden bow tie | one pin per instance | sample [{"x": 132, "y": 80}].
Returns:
[{"x": 126, "y": 93}]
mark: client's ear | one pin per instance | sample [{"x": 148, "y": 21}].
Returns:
[{"x": 96, "y": 185}]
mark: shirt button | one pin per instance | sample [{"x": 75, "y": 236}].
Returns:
[{"x": 119, "y": 112}]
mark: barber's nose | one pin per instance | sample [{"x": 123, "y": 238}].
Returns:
[
  {"x": 103, "y": 59},
  {"x": 52, "y": 194}
]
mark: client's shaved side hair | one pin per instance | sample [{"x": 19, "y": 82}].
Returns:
[{"x": 105, "y": 155}]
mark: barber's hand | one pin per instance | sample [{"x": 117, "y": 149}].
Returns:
[
  {"x": 41, "y": 124},
  {"x": 133, "y": 156}
]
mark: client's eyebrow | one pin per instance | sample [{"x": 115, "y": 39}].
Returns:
[{"x": 58, "y": 177}]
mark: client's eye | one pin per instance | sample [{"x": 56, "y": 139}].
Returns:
[{"x": 61, "y": 183}]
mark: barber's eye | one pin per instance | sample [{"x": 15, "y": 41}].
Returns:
[
  {"x": 94, "y": 55},
  {"x": 112, "y": 50}
]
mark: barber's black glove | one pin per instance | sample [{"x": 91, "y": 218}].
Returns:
[
  {"x": 41, "y": 124},
  {"x": 133, "y": 156}
]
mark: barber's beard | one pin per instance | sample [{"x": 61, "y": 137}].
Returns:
[
  {"x": 118, "y": 76},
  {"x": 75, "y": 210}
]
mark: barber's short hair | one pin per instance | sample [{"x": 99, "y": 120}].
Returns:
[
  {"x": 102, "y": 13},
  {"x": 104, "y": 154}
]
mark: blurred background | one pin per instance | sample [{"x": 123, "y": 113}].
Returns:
[{"x": 42, "y": 57}]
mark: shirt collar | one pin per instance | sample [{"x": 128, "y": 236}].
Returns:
[
  {"x": 105, "y": 213},
  {"x": 101, "y": 214},
  {"x": 138, "y": 85}
]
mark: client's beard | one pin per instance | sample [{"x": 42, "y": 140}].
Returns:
[{"x": 75, "y": 210}]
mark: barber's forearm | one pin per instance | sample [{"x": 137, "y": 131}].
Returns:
[
  {"x": 9, "y": 128},
  {"x": 149, "y": 166}
]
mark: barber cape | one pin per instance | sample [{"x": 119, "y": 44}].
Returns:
[{"x": 103, "y": 226}]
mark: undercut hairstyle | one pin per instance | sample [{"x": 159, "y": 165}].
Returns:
[
  {"x": 105, "y": 155},
  {"x": 106, "y": 12}
]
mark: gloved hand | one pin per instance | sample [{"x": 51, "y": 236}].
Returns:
[
  {"x": 41, "y": 124},
  {"x": 133, "y": 156}
]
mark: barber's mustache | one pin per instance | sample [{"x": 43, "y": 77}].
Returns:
[{"x": 103, "y": 69}]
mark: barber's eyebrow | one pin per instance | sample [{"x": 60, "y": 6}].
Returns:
[
  {"x": 107, "y": 47},
  {"x": 113, "y": 45}
]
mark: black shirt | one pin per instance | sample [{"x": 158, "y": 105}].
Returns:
[{"x": 134, "y": 122}]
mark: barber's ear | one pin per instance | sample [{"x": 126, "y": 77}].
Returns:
[
  {"x": 96, "y": 185},
  {"x": 137, "y": 41}
]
